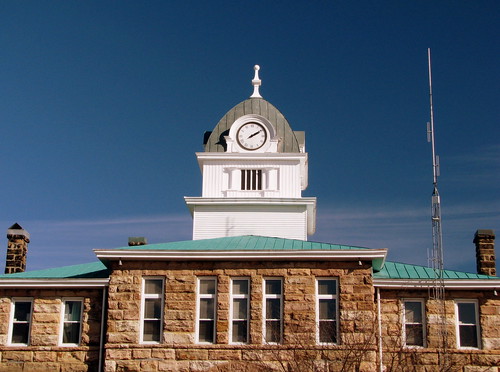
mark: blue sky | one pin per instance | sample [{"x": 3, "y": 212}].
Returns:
[{"x": 103, "y": 104}]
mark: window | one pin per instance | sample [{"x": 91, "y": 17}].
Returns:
[
  {"x": 273, "y": 310},
  {"x": 207, "y": 298},
  {"x": 467, "y": 324},
  {"x": 239, "y": 310},
  {"x": 71, "y": 322},
  {"x": 20, "y": 321},
  {"x": 413, "y": 320},
  {"x": 251, "y": 179},
  {"x": 326, "y": 307},
  {"x": 152, "y": 310}
]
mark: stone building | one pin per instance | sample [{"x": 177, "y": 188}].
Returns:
[{"x": 249, "y": 292}]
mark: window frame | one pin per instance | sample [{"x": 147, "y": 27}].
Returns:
[
  {"x": 327, "y": 297},
  {"x": 12, "y": 322},
  {"x": 265, "y": 297},
  {"x": 476, "y": 324},
  {"x": 233, "y": 297},
  {"x": 423, "y": 324},
  {"x": 145, "y": 296},
  {"x": 63, "y": 322},
  {"x": 199, "y": 297}
]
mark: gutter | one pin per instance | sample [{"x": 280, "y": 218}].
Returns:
[
  {"x": 381, "y": 364},
  {"x": 103, "y": 321}
]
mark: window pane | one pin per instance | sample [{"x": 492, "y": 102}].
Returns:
[
  {"x": 152, "y": 330},
  {"x": 414, "y": 335},
  {"x": 240, "y": 308},
  {"x": 327, "y": 309},
  {"x": 413, "y": 312},
  {"x": 71, "y": 333},
  {"x": 206, "y": 308},
  {"x": 207, "y": 286},
  {"x": 240, "y": 286},
  {"x": 327, "y": 331},
  {"x": 273, "y": 331},
  {"x": 22, "y": 311},
  {"x": 20, "y": 332},
  {"x": 468, "y": 336},
  {"x": 72, "y": 310},
  {"x": 206, "y": 331},
  {"x": 327, "y": 287},
  {"x": 152, "y": 308},
  {"x": 239, "y": 331},
  {"x": 467, "y": 313},
  {"x": 273, "y": 286},
  {"x": 153, "y": 286},
  {"x": 273, "y": 310}
]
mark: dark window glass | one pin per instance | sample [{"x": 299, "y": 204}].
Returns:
[{"x": 21, "y": 322}]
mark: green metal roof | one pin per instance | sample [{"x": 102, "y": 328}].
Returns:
[
  {"x": 88, "y": 270},
  {"x": 396, "y": 270},
  {"x": 391, "y": 270},
  {"x": 244, "y": 243},
  {"x": 258, "y": 106}
]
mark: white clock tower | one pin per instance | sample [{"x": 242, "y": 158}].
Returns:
[{"x": 254, "y": 170}]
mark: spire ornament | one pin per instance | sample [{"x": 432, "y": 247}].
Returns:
[{"x": 256, "y": 82}]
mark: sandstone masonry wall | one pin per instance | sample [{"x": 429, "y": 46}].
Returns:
[
  {"x": 43, "y": 352},
  {"x": 178, "y": 350},
  {"x": 396, "y": 355}
]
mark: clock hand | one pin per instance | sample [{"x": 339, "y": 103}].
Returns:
[{"x": 253, "y": 135}]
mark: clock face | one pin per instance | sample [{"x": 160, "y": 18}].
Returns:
[{"x": 251, "y": 136}]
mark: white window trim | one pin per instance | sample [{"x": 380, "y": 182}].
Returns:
[
  {"x": 457, "y": 323},
  {"x": 232, "y": 298},
  {"x": 333, "y": 297},
  {"x": 264, "y": 318},
  {"x": 198, "y": 297},
  {"x": 61, "y": 323},
  {"x": 145, "y": 296},
  {"x": 424, "y": 318},
  {"x": 11, "y": 320}
]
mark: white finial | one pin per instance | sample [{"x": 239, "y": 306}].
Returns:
[{"x": 256, "y": 83}]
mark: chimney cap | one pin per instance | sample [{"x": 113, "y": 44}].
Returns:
[
  {"x": 16, "y": 230},
  {"x": 483, "y": 233}
]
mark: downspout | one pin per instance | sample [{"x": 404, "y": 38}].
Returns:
[
  {"x": 381, "y": 365},
  {"x": 103, "y": 321}
]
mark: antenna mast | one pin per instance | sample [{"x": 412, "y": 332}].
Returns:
[{"x": 436, "y": 256}]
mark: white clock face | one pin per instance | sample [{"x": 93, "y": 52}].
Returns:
[{"x": 251, "y": 136}]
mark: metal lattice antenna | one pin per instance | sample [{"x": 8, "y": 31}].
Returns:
[{"x": 436, "y": 256}]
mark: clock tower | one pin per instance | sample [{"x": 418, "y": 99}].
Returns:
[{"x": 254, "y": 170}]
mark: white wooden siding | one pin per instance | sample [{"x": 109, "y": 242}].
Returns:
[{"x": 279, "y": 221}]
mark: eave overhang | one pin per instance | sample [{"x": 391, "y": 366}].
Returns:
[
  {"x": 54, "y": 283},
  {"x": 451, "y": 284},
  {"x": 376, "y": 256}
]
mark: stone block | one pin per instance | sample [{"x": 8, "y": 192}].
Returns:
[
  {"x": 149, "y": 365},
  {"x": 173, "y": 366},
  {"x": 141, "y": 353},
  {"x": 224, "y": 354},
  {"x": 46, "y": 318},
  {"x": 17, "y": 356},
  {"x": 191, "y": 354},
  {"x": 44, "y": 356},
  {"x": 163, "y": 354}
]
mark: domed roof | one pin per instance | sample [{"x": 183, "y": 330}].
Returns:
[{"x": 258, "y": 106}]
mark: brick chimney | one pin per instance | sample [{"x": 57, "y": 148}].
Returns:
[
  {"x": 17, "y": 249},
  {"x": 485, "y": 252},
  {"x": 137, "y": 240}
]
